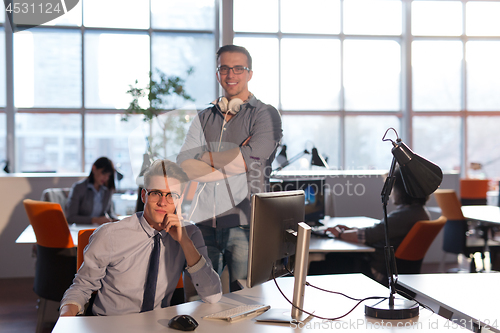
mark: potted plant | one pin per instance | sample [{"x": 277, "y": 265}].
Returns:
[{"x": 158, "y": 103}]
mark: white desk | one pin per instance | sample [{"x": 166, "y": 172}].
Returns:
[
  {"x": 350, "y": 221},
  {"x": 465, "y": 298},
  {"x": 321, "y": 245},
  {"x": 488, "y": 217},
  {"x": 355, "y": 285},
  {"x": 28, "y": 235},
  {"x": 483, "y": 213}
]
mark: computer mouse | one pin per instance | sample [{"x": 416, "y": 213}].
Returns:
[{"x": 183, "y": 323}]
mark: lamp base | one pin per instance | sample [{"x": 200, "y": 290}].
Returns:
[{"x": 402, "y": 309}]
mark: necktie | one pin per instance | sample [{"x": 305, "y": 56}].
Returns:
[{"x": 148, "y": 302}]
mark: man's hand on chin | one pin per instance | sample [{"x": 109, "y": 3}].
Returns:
[{"x": 173, "y": 225}]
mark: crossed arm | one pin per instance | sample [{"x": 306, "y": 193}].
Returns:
[{"x": 213, "y": 166}]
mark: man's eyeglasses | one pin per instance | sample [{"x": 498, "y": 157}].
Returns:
[
  {"x": 224, "y": 70},
  {"x": 155, "y": 196}
]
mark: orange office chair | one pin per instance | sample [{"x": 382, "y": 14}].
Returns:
[
  {"x": 83, "y": 240},
  {"x": 473, "y": 191},
  {"x": 412, "y": 250},
  {"x": 459, "y": 235},
  {"x": 56, "y": 253}
]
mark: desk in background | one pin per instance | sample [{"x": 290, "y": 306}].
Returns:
[
  {"x": 319, "y": 246},
  {"x": 28, "y": 235},
  {"x": 482, "y": 213},
  {"x": 350, "y": 221},
  {"x": 470, "y": 299},
  {"x": 355, "y": 285},
  {"x": 488, "y": 217}
]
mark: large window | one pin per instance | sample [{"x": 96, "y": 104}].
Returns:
[
  {"x": 343, "y": 71},
  {"x": 47, "y": 68},
  {"x": 71, "y": 76}
]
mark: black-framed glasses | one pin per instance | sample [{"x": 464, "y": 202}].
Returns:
[
  {"x": 155, "y": 196},
  {"x": 224, "y": 70}
]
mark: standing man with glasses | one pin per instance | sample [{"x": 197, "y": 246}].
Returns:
[
  {"x": 229, "y": 150},
  {"x": 135, "y": 264}
]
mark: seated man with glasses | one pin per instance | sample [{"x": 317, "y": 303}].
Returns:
[
  {"x": 135, "y": 264},
  {"x": 229, "y": 150}
]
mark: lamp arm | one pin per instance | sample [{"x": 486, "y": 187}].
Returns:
[
  {"x": 290, "y": 161},
  {"x": 390, "y": 260}
]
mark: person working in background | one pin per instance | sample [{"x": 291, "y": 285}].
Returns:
[
  {"x": 408, "y": 211},
  {"x": 90, "y": 200},
  {"x": 119, "y": 260},
  {"x": 229, "y": 150}
]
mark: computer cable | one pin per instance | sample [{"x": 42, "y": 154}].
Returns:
[{"x": 320, "y": 317}]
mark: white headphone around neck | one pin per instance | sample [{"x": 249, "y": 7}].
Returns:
[{"x": 232, "y": 106}]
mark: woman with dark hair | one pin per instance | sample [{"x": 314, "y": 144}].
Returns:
[
  {"x": 409, "y": 210},
  {"x": 89, "y": 201}
]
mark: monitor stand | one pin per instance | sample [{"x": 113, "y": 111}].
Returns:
[{"x": 299, "y": 285}]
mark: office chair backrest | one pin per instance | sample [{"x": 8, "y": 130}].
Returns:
[
  {"x": 451, "y": 208},
  {"x": 83, "y": 240},
  {"x": 416, "y": 243},
  {"x": 57, "y": 195},
  {"x": 473, "y": 191},
  {"x": 49, "y": 224}
]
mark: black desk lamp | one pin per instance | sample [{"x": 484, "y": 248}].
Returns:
[
  {"x": 317, "y": 159},
  {"x": 421, "y": 177},
  {"x": 281, "y": 159}
]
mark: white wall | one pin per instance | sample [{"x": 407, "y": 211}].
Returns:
[{"x": 15, "y": 259}]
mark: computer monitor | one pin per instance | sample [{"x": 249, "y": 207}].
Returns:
[
  {"x": 279, "y": 240},
  {"x": 314, "y": 196}
]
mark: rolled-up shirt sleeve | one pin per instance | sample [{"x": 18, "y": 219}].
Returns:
[{"x": 266, "y": 134}]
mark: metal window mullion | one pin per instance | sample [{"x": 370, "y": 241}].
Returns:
[
  {"x": 465, "y": 113},
  {"x": 82, "y": 111},
  {"x": 227, "y": 35},
  {"x": 9, "y": 106},
  {"x": 342, "y": 132},
  {"x": 217, "y": 38},
  {"x": 150, "y": 33},
  {"x": 280, "y": 69},
  {"x": 407, "y": 77}
]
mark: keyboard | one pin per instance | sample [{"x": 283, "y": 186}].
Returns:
[
  {"x": 238, "y": 312},
  {"x": 321, "y": 232}
]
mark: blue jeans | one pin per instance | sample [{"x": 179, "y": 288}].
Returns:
[{"x": 229, "y": 247}]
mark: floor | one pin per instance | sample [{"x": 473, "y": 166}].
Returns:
[
  {"x": 18, "y": 303},
  {"x": 18, "y": 306}
]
